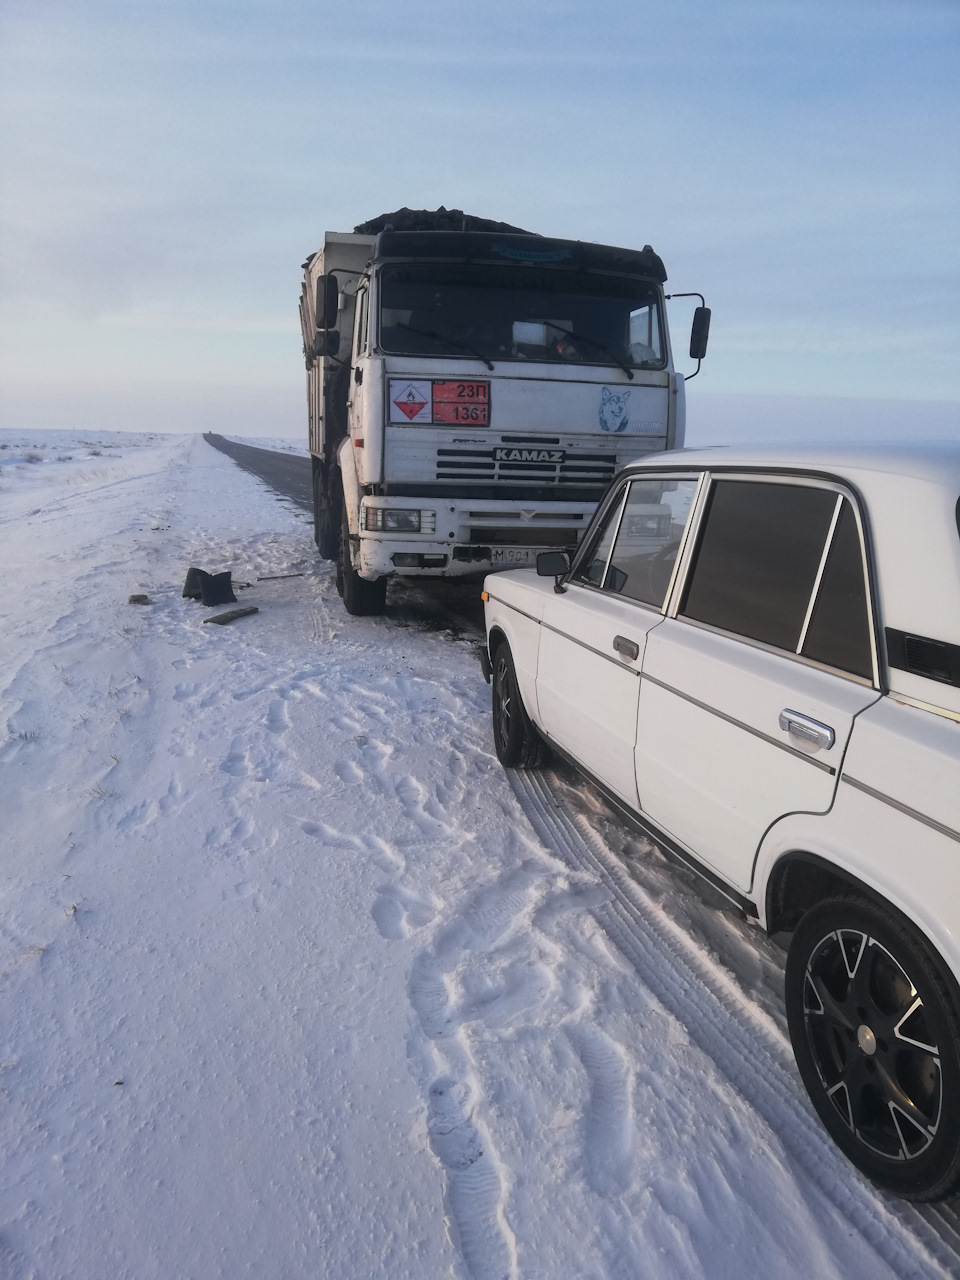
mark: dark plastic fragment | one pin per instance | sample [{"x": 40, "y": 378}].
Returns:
[
  {"x": 215, "y": 588},
  {"x": 191, "y": 587}
]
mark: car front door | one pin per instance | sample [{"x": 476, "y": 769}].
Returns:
[
  {"x": 751, "y": 686},
  {"x": 593, "y": 634}
]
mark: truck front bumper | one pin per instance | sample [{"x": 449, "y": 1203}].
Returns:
[{"x": 465, "y": 537}]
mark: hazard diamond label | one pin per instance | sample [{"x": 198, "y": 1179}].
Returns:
[{"x": 411, "y": 401}]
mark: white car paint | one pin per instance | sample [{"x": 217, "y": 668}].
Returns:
[{"x": 694, "y": 746}]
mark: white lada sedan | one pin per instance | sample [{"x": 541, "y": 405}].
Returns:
[{"x": 755, "y": 654}]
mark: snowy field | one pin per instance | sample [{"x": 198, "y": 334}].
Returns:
[{"x": 298, "y": 983}]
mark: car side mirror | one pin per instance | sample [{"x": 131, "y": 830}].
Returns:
[
  {"x": 554, "y": 564},
  {"x": 328, "y": 301},
  {"x": 699, "y": 333}
]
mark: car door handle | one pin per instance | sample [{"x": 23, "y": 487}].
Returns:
[
  {"x": 626, "y": 648},
  {"x": 821, "y": 735}
]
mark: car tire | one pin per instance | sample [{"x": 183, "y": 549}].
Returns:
[
  {"x": 876, "y": 1036},
  {"x": 361, "y": 598},
  {"x": 516, "y": 741}
]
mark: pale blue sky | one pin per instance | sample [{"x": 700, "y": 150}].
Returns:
[{"x": 168, "y": 166}]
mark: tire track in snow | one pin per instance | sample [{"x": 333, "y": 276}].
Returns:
[{"x": 747, "y": 1048}]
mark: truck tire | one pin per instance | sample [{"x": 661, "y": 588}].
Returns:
[
  {"x": 327, "y": 504},
  {"x": 361, "y": 598}
]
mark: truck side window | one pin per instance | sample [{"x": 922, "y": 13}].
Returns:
[{"x": 644, "y": 337}]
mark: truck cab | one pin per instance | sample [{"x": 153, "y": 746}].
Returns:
[{"x": 472, "y": 394}]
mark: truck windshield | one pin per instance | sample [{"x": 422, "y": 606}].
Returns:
[{"x": 520, "y": 313}]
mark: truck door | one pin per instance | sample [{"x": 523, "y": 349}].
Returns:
[{"x": 365, "y": 402}]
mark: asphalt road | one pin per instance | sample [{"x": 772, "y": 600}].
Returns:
[
  {"x": 287, "y": 473},
  {"x": 429, "y": 604}
]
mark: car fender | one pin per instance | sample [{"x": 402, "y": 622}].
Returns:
[
  {"x": 913, "y": 868},
  {"x": 513, "y": 610}
]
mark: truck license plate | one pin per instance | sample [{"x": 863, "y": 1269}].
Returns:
[
  {"x": 515, "y": 557},
  {"x": 462, "y": 401}
]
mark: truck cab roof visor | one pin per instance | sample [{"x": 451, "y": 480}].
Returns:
[{"x": 496, "y": 247}]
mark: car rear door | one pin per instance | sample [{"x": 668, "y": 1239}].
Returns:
[{"x": 751, "y": 685}]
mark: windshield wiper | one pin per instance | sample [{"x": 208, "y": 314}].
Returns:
[
  {"x": 601, "y": 346},
  {"x": 451, "y": 342}
]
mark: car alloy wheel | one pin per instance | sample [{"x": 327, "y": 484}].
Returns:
[{"x": 876, "y": 1039}]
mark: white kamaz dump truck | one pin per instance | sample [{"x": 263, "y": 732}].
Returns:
[{"x": 471, "y": 391}]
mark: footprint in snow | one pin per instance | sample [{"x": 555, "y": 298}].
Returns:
[
  {"x": 348, "y": 772},
  {"x": 608, "y": 1139},
  {"x": 474, "y": 1191},
  {"x": 398, "y": 913}
]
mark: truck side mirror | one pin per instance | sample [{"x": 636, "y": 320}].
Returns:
[
  {"x": 328, "y": 301},
  {"x": 699, "y": 333},
  {"x": 326, "y": 343}
]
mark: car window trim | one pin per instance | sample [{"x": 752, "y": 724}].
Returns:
[
  {"x": 681, "y": 566},
  {"x": 821, "y": 569},
  {"x": 588, "y": 543},
  {"x": 602, "y": 584}
]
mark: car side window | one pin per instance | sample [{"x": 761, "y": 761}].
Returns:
[
  {"x": 838, "y": 633},
  {"x": 594, "y": 565},
  {"x": 782, "y": 564},
  {"x": 648, "y": 539}
]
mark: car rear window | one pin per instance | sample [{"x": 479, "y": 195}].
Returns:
[
  {"x": 782, "y": 563},
  {"x": 758, "y": 559}
]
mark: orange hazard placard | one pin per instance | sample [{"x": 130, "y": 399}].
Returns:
[{"x": 462, "y": 401}]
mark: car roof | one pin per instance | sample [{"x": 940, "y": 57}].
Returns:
[
  {"x": 911, "y": 511},
  {"x": 933, "y": 461}
]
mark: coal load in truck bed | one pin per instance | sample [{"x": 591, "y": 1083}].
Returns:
[{"x": 434, "y": 220}]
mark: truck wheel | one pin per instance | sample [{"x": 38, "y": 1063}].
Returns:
[
  {"x": 326, "y": 511},
  {"x": 517, "y": 743},
  {"x": 877, "y": 1040},
  {"x": 361, "y": 598}
]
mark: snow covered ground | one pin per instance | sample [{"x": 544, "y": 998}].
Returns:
[{"x": 296, "y": 982}]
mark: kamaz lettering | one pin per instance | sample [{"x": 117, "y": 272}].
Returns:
[{"x": 529, "y": 455}]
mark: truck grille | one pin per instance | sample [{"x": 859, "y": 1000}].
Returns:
[{"x": 482, "y": 464}]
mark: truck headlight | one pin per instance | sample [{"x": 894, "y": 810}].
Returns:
[{"x": 398, "y": 520}]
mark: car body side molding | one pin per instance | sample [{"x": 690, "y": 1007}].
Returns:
[
  {"x": 739, "y": 724},
  {"x": 903, "y": 808}
]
